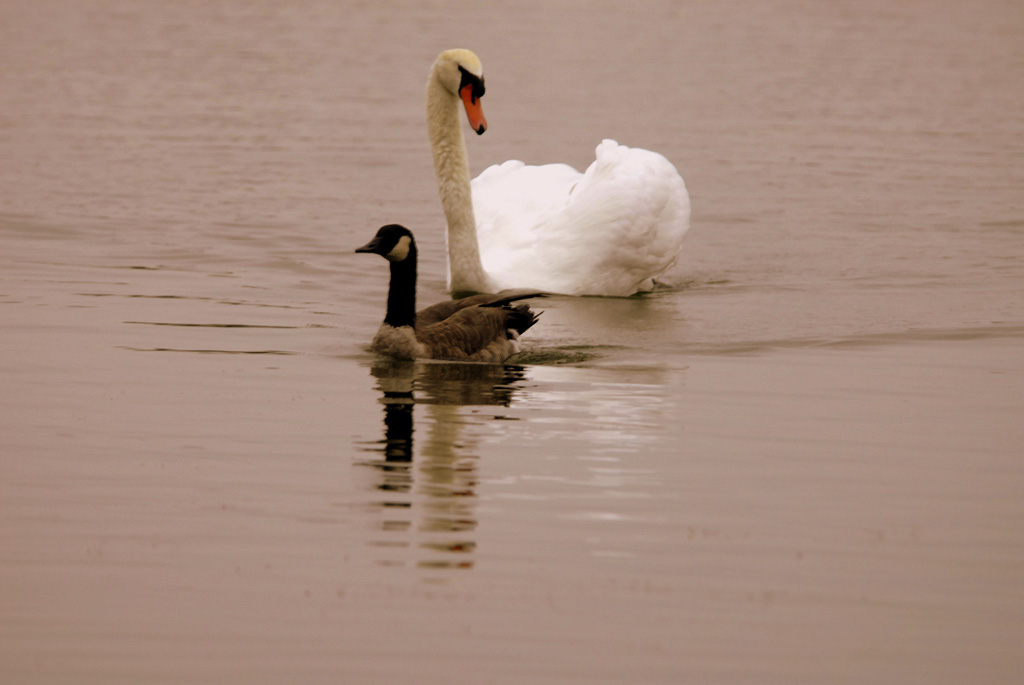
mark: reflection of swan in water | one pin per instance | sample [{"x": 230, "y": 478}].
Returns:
[{"x": 431, "y": 501}]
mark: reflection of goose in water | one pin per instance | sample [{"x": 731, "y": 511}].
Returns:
[{"x": 431, "y": 490}]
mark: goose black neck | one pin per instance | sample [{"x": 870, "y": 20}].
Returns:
[{"x": 402, "y": 291}]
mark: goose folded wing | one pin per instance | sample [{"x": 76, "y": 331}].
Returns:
[
  {"x": 467, "y": 334},
  {"x": 442, "y": 310}
]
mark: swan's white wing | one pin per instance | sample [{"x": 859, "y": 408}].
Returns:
[
  {"x": 608, "y": 231},
  {"x": 511, "y": 198},
  {"x": 632, "y": 210}
]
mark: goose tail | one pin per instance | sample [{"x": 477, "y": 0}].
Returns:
[{"x": 519, "y": 319}]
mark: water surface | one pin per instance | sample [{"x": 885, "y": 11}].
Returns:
[{"x": 799, "y": 463}]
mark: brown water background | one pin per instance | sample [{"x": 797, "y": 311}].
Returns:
[{"x": 801, "y": 464}]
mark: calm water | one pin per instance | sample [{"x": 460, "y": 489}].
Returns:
[{"x": 799, "y": 464}]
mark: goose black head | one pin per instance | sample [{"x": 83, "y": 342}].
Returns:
[{"x": 392, "y": 242}]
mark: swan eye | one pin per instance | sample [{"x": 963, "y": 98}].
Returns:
[{"x": 476, "y": 81}]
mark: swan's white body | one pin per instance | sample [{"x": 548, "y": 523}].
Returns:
[{"x": 608, "y": 231}]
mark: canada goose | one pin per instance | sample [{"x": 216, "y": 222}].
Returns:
[
  {"x": 484, "y": 328},
  {"x": 609, "y": 231}
]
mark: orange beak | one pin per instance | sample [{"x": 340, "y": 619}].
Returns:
[{"x": 474, "y": 110}]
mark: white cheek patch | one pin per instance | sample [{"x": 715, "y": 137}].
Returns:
[{"x": 400, "y": 251}]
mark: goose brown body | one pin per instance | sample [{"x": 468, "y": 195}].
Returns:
[{"x": 484, "y": 327}]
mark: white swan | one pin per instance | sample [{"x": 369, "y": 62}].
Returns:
[{"x": 608, "y": 231}]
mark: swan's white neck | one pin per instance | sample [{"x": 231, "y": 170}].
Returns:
[{"x": 451, "y": 166}]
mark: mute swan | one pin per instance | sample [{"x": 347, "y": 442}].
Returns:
[
  {"x": 483, "y": 328},
  {"x": 608, "y": 231}
]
